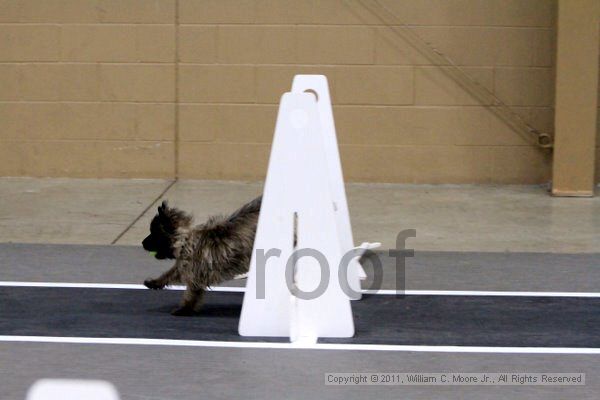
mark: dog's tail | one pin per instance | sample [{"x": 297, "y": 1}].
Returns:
[{"x": 248, "y": 208}]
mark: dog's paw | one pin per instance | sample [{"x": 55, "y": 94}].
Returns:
[
  {"x": 183, "y": 312},
  {"x": 153, "y": 284}
]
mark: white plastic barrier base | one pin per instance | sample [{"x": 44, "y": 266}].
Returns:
[
  {"x": 296, "y": 213},
  {"x": 304, "y": 209},
  {"x": 70, "y": 389}
]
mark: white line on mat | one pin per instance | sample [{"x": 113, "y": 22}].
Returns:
[
  {"x": 242, "y": 289},
  {"x": 301, "y": 346}
]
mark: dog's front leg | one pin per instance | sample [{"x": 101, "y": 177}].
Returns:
[
  {"x": 169, "y": 277},
  {"x": 192, "y": 300}
]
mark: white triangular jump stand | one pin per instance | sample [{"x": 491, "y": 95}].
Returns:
[
  {"x": 304, "y": 207},
  {"x": 317, "y": 84}
]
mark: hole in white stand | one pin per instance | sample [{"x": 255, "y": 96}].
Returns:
[{"x": 313, "y": 92}]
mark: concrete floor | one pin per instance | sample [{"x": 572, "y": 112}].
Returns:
[
  {"x": 479, "y": 224},
  {"x": 147, "y": 372},
  {"x": 446, "y": 217},
  {"x": 142, "y": 372}
]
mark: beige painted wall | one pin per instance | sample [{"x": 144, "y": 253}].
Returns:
[{"x": 151, "y": 88}]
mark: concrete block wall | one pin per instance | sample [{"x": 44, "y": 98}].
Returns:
[
  {"x": 87, "y": 88},
  {"x": 154, "y": 88}
]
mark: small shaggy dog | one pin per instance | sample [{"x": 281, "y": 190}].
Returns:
[{"x": 205, "y": 254}]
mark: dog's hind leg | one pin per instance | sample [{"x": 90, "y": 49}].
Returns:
[
  {"x": 169, "y": 277},
  {"x": 191, "y": 302}
]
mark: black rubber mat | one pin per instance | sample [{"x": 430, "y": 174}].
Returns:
[
  {"x": 379, "y": 319},
  {"x": 427, "y": 270}
]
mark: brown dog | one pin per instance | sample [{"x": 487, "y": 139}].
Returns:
[{"x": 206, "y": 254}]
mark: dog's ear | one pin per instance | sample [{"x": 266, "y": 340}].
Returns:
[{"x": 163, "y": 207}]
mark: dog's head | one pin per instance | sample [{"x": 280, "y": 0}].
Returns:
[{"x": 165, "y": 228}]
